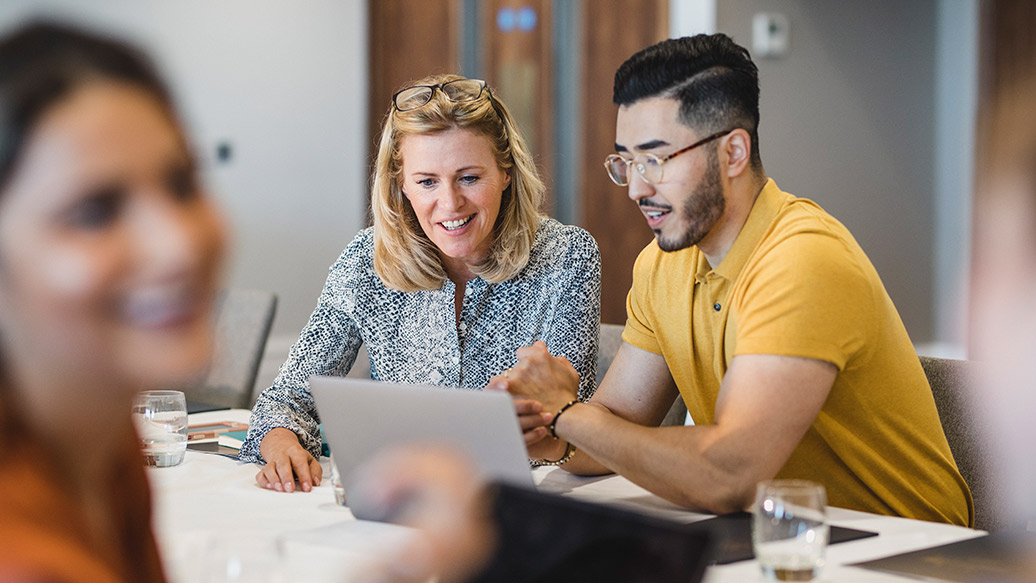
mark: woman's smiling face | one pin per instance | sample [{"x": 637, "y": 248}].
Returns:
[
  {"x": 454, "y": 185},
  {"x": 109, "y": 249}
]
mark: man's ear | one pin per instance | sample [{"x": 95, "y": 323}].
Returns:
[{"x": 737, "y": 148}]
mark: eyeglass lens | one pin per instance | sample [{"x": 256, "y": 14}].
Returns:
[
  {"x": 463, "y": 89},
  {"x": 649, "y": 167},
  {"x": 458, "y": 90}
]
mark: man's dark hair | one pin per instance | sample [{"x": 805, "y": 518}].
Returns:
[
  {"x": 41, "y": 63},
  {"x": 712, "y": 77}
]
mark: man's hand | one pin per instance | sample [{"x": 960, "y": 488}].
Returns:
[{"x": 285, "y": 459}]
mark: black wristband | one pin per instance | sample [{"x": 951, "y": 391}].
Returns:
[
  {"x": 570, "y": 450},
  {"x": 554, "y": 421}
]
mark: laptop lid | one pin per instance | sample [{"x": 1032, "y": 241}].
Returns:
[{"x": 362, "y": 417}]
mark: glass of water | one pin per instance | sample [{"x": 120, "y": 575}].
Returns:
[
  {"x": 789, "y": 529},
  {"x": 161, "y": 421}
]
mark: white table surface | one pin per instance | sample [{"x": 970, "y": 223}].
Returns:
[{"x": 210, "y": 498}]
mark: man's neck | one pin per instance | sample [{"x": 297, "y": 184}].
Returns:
[{"x": 741, "y": 194}]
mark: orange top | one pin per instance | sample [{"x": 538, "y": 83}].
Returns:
[{"x": 43, "y": 533}]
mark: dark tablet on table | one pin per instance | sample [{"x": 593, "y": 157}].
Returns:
[{"x": 546, "y": 537}]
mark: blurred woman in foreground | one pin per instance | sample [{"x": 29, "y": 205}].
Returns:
[{"x": 109, "y": 253}]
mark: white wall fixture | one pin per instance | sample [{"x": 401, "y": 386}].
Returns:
[
  {"x": 690, "y": 17},
  {"x": 770, "y": 34}
]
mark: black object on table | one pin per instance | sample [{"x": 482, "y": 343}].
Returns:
[
  {"x": 732, "y": 536},
  {"x": 547, "y": 538},
  {"x": 199, "y": 407}
]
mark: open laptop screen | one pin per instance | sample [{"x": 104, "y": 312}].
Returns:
[{"x": 363, "y": 417}]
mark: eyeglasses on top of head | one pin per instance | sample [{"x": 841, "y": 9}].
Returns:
[
  {"x": 458, "y": 90},
  {"x": 648, "y": 165}
]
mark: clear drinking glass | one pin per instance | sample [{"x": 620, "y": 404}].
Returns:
[
  {"x": 789, "y": 529},
  {"x": 161, "y": 421}
]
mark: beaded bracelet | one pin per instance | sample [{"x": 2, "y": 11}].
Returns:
[
  {"x": 570, "y": 450},
  {"x": 554, "y": 422}
]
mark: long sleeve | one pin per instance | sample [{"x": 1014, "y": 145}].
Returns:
[
  {"x": 574, "y": 330},
  {"x": 327, "y": 346}
]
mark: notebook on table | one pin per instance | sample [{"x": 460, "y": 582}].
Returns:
[{"x": 363, "y": 417}]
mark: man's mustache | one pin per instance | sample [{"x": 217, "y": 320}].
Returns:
[{"x": 655, "y": 205}]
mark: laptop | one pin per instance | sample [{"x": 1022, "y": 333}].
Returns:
[{"x": 362, "y": 417}]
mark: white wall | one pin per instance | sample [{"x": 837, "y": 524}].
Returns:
[
  {"x": 285, "y": 84},
  {"x": 848, "y": 119},
  {"x": 690, "y": 17}
]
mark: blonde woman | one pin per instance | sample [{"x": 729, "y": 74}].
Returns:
[{"x": 458, "y": 271}]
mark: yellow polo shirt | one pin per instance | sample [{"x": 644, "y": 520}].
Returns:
[{"x": 796, "y": 283}]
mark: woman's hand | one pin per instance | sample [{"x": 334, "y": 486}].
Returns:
[
  {"x": 540, "y": 384},
  {"x": 532, "y": 419},
  {"x": 540, "y": 376},
  {"x": 286, "y": 459}
]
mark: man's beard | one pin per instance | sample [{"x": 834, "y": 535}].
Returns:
[{"x": 702, "y": 210}]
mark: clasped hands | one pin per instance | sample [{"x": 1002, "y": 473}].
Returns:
[{"x": 541, "y": 384}]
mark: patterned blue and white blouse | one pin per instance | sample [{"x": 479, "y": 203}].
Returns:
[{"x": 414, "y": 337}]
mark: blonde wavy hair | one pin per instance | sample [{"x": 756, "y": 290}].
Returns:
[{"x": 404, "y": 257}]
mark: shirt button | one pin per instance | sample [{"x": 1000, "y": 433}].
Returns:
[
  {"x": 716, "y": 306},
  {"x": 463, "y": 326}
]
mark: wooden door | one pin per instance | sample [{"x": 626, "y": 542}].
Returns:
[
  {"x": 409, "y": 39},
  {"x": 612, "y": 31}
]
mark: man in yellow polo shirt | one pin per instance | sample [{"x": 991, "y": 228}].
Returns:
[{"x": 757, "y": 306}]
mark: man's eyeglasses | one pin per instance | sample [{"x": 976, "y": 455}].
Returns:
[
  {"x": 649, "y": 166},
  {"x": 458, "y": 90}
]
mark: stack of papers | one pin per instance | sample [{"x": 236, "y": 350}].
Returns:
[{"x": 221, "y": 437}]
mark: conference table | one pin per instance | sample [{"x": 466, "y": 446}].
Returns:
[{"x": 210, "y": 503}]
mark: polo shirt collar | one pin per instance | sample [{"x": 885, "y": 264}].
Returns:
[{"x": 765, "y": 209}]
